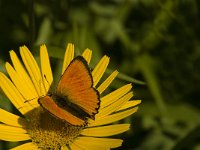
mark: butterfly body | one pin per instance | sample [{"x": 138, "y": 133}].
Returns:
[{"x": 75, "y": 99}]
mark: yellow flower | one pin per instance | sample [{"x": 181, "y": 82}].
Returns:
[{"x": 40, "y": 130}]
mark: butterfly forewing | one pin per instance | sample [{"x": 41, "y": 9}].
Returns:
[{"x": 77, "y": 85}]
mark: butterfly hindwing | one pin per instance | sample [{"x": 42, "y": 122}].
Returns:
[{"x": 48, "y": 104}]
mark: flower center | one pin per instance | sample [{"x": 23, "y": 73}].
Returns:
[{"x": 48, "y": 132}]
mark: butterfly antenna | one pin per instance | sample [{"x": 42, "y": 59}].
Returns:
[
  {"x": 30, "y": 99},
  {"x": 50, "y": 87},
  {"x": 47, "y": 80},
  {"x": 37, "y": 96},
  {"x": 26, "y": 100},
  {"x": 24, "y": 107}
]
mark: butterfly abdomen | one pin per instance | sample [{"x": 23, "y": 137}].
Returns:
[{"x": 66, "y": 104}]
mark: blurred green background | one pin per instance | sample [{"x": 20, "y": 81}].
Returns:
[{"x": 155, "y": 44}]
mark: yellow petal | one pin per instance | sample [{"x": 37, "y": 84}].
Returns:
[
  {"x": 22, "y": 87},
  {"x": 73, "y": 146},
  {"x": 115, "y": 95},
  {"x": 86, "y": 146},
  {"x": 69, "y": 55},
  {"x": 45, "y": 68},
  {"x": 23, "y": 74},
  {"x": 11, "y": 119},
  {"x": 106, "y": 130},
  {"x": 33, "y": 70},
  {"x": 114, "y": 106},
  {"x": 107, "y": 82},
  {"x": 9, "y": 133},
  {"x": 11, "y": 129},
  {"x": 113, "y": 118},
  {"x": 64, "y": 148},
  {"x": 26, "y": 146},
  {"x": 87, "y": 54},
  {"x": 91, "y": 143},
  {"x": 13, "y": 94},
  {"x": 99, "y": 70},
  {"x": 129, "y": 104}
]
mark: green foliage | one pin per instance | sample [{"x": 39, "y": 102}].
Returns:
[{"x": 156, "y": 42}]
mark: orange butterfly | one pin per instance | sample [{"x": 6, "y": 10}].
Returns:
[{"x": 75, "y": 100}]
